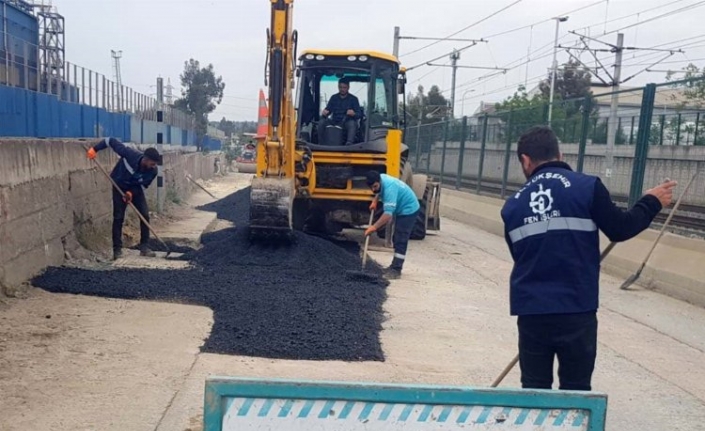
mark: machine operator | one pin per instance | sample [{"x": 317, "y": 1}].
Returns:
[
  {"x": 400, "y": 203},
  {"x": 344, "y": 110}
]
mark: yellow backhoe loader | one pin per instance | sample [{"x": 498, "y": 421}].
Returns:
[{"x": 312, "y": 179}]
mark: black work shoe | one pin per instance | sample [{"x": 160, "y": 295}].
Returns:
[
  {"x": 146, "y": 252},
  {"x": 117, "y": 253},
  {"x": 391, "y": 273}
]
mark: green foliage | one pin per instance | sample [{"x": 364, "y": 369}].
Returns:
[
  {"x": 201, "y": 92},
  {"x": 572, "y": 86}
]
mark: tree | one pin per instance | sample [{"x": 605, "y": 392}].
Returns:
[
  {"x": 201, "y": 92},
  {"x": 572, "y": 81},
  {"x": 435, "y": 106},
  {"x": 526, "y": 111}
]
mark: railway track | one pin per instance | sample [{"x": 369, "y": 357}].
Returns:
[{"x": 690, "y": 218}]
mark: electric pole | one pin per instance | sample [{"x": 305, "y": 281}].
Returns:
[
  {"x": 614, "y": 107},
  {"x": 614, "y": 82},
  {"x": 395, "y": 48},
  {"x": 454, "y": 57},
  {"x": 554, "y": 66}
]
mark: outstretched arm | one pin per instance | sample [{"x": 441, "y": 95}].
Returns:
[
  {"x": 117, "y": 146},
  {"x": 621, "y": 225}
]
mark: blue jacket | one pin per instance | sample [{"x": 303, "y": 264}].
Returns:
[
  {"x": 127, "y": 173},
  {"x": 397, "y": 196},
  {"x": 551, "y": 227}
]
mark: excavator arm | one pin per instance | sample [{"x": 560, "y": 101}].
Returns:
[{"x": 274, "y": 186}]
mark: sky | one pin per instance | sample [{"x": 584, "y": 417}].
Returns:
[{"x": 156, "y": 37}]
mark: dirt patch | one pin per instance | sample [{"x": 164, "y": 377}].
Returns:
[{"x": 269, "y": 300}]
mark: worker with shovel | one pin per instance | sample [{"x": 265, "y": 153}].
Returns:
[
  {"x": 133, "y": 173},
  {"x": 399, "y": 202},
  {"x": 551, "y": 227}
]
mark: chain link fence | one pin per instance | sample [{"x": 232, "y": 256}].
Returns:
[{"x": 658, "y": 132}]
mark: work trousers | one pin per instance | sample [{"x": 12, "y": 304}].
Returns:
[
  {"x": 570, "y": 337},
  {"x": 403, "y": 225},
  {"x": 119, "y": 207},
  {"x": 349, "y": 124}
]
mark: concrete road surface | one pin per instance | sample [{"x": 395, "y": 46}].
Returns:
[{"x": 448, "y": 323}]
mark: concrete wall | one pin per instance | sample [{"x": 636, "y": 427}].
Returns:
[
  {"x": 679, "y": 163},
  {"x": 675, "y": 268},
  {"x": 52, "y": 196}
]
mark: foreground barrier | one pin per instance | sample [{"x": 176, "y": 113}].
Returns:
[{"x": 250, "y": 404}]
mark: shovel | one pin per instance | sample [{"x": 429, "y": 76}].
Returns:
[
  {"x": 362, "y": 275},
  {"x": 628, "y": 282}
]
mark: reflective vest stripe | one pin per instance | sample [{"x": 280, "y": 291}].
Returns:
[
  {"x": 557, "y": 223},
  {"x": 129, "y": 168}
]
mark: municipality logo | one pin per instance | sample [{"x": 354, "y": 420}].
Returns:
[{"x": 541, "y": 201}]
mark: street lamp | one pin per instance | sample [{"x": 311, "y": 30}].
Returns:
[
  {"x": 462, "y": 107},
  {"x": 559, "y": 20}
]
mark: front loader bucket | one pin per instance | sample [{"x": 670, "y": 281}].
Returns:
[{"x": 271, "y": 202}]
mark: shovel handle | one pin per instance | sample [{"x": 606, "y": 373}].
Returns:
[{"x": 367, "y": 240}]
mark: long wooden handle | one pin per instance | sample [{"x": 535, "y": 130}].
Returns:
[
  {"x": 670, "y": 216},
  {"x": 139, "y": 214},
  {"x": 367, "y": 240}
]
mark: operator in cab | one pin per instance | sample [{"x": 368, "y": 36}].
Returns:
[
  {"x": 343, "y": 110},
  {"x": 399, "y": 203}
]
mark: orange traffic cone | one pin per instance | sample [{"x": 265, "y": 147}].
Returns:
[{"x": 263, "y": 117}]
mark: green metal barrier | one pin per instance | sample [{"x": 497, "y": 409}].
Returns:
[{"x": 253, "y": 404}]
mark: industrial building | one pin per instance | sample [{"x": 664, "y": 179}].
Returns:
[{"x": 32, "y": 46}]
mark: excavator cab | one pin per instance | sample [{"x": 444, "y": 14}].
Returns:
[{"x": 374, "y": 79}]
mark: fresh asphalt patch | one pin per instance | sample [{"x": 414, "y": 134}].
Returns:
[{"x": 284, "y": 301}]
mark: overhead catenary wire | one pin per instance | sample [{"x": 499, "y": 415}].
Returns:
[
  {"x": 665, "y": 15},
  {"x": 641, "y": 12},
  {"x": 463, "y": 29}
]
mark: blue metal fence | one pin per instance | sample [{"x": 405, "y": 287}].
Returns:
[{"x": 25, "y": 113}]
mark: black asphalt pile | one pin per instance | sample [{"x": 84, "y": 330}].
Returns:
[{"x": 274, "y": 301}]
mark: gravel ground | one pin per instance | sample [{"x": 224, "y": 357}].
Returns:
[{"x": 268, "y": 300}]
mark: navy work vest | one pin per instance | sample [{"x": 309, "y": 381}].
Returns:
[{"x": 554, "y": 242}]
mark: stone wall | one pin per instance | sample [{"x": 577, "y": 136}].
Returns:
[{"x": 52, "y": 198}]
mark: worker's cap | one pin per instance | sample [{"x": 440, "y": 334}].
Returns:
[
  {"x": 373, "y": 177},
  {"x": 153, "y": 154}
]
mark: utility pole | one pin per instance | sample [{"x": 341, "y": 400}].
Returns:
[
  {"x": 160, "y": 145},
  {"x": 554, "y": 67},
  {"x": 614, "y": 82},
  {"x": 397, "y": 32},
  {"x": 454, "y": 57},
  {"x": 614, "y": 107},
  {"x": 418, "y": 130}
]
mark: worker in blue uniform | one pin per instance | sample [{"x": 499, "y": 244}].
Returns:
[
  {"x": 399, "y": 202},
  {"x": 133, "y": 173},
  {"x": 551, "y": 227}
]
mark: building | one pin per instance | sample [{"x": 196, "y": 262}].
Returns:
[{"x": 19, "y": 44}]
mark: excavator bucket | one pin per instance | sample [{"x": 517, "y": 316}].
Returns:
[{"x": 271, "y": 202}]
